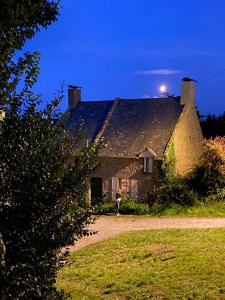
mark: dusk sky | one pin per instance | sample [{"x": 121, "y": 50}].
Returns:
[{"x": 127, "y": 48}]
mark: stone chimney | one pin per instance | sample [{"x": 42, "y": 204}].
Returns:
[
  {"x": 74, "y": 96},
  {"x": 188, "y": 92}
]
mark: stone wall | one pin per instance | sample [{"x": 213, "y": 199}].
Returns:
[
  {"x": 187, "y": 139},
  {"x": 127, "y": 168}
]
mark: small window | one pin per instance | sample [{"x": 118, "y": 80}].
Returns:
[{"x": 148, "y": 165}]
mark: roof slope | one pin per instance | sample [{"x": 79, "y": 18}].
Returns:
[
  {"x": 134, "y": 125},
  {"x": 92, "y": 114}
]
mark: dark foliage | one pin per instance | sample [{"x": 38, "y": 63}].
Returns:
[
  {"x": 39, "y": 181},
  {"x": 132, "y": 207},
  {"x": 41, "y": 175},
  {"x": 19, "y": 21},
  {"x": 213, "y": 126},
  {"x": 208, "y": 177},
  {"x": 128, "y": 207},
  {"x": 176, "y": 191},
  {"x": 203, "y": 182}
]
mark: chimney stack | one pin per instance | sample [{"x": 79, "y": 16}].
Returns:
[
  {"x": 188, "y": 92},
  {"x": 74, "y": 96}
]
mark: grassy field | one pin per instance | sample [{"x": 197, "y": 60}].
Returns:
[
  {"x": 216, "y": 209},
  {"x": 152, "y": 264}
]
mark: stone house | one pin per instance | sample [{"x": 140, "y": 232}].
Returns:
[{"x": 138, "y": 134}]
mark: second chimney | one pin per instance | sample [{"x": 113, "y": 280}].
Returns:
[
  {"x": 188, "y": 92},
  {"x": 74, "y": 96}
]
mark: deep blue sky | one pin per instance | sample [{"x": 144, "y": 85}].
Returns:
[{"x": 114, "y": 48}]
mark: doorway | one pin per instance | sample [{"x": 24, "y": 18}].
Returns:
[{"x": 96, "y": 190}]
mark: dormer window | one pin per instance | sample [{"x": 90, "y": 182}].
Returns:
[
  {"x": 148, "y": 165},
  {"x": 147, "y": 156}
]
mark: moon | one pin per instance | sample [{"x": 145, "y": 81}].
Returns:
[{"x": 163, "y": 88}]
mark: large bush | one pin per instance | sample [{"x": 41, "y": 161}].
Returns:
[
  {"x": 132, "y": 207},
  {"x": 105, "y": 208},
  {"x": 176, "y": 192},
  {"x": 209, "y": 176},
  {"x": 40, "y": 178},
  {"x": 214, "y": 155},
  {"x": 39, "y": 181}
]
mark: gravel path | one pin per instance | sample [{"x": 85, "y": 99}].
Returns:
[{"x": 108, "y": 226}]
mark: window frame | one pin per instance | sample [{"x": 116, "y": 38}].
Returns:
[
  {"x": 125, "y": 182},
  {"x": 147, "y": 164}
]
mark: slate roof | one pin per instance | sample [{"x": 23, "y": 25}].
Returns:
[
  {"x": 92, "y": 114},
  {"x": 135, "y": 124}
]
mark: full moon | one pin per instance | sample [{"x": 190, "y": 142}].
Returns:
[{"x": 163, "y": 88}]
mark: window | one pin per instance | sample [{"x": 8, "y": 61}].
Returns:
[
  {"x": 125, "y": 187},
  {"x": 148, "y": 165},
  {"x": 128, "y": 187}
]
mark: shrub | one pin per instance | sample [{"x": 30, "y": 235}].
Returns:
[
  {"x": 218, "y": 197},
  {"x": 205, "y": 183},
  {"x": 221, "y": 193},
  {"x": 128, "y": 207},
  {"x": 176, "y": 192},
  {"x": 208, "y": 177},
  {"x": 106, "y": 208},
  {"x": 214, "y": 155},
  {"x": 132, "y": 207}
]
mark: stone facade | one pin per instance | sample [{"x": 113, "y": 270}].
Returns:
[
  {"x": 127, "y": 168},
  {"x": 187, "y": 139}
]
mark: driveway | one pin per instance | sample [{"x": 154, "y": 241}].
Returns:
[{"x": 108, "y": 226}]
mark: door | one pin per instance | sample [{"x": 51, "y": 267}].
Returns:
[{"x": 96, "y": 190}]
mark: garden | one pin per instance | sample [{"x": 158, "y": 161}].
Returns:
[{"x": 200, "y": 193}]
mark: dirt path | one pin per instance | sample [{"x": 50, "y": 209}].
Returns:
[{"x": 109, "y": 226}]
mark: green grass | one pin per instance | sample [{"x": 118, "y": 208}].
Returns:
[
  {"x": 152, "y": 264},
  {"x": 209, "y": 209},
  {"x": 216, "y": 209}
]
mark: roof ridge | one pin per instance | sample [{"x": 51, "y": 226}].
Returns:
[
  {"x": 94, "y": 101},
  {"x": 132, "y": 99},
  {"x": 107, "y": 120}
]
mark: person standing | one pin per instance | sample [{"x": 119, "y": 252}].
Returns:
[{"x": 118, "y": 201}]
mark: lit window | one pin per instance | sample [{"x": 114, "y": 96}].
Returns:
[
  {"x": 148, "y": 165},
  {"x": 125, "y": 187}
]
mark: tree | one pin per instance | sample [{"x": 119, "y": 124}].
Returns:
[
  {"x": 43, "y": 173},
  {"x": 213, "y": 126},
  {"x": 19, "y": 21}
]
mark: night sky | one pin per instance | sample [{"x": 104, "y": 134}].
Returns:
[{"x": 127, "y": 48}]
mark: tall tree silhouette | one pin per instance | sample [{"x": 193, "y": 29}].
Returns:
[{"x": 213, "y": 126}]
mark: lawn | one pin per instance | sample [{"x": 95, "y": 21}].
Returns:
[
  {"x": 152, "y": 264},
  {"x": 216, "y": 209},
  {"x": 209, "y": 209}
]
